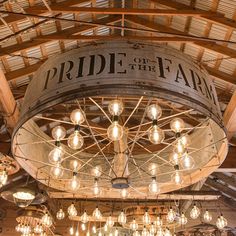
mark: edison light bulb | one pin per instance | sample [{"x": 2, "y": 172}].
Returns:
[
  {"x": 195, "y": 212},
  {"x": 74, "y": 183},
  {"x": 146, "y": 218},
  {"x": 3, "y": 177},
  {"x": 56, "y": 171},
  {"x": 171, "y": 214},
  {"x": 75, "y": 165},
  {"x": 153, "y": 169},
  {"x": 160, "y": 232},
  {"x": 18, "y": 228},
  {"x": 60, "y": 214},
  {"x": 167, "y": 232},
  {"x": 174, "y": 158},
  {"x": 97, "y": 214},
  {"x": 124, "y": 193},
  {"x": 83, "y": 226},
  {"x": 71, "y": 230},
  {"x": 105, "y": 228},
  {"x": 177, "y": 125},
  {"x": 72, "y": 210},
  {"x": 133, "y": 225},
  {"x": 156, "y": 135},
  {"x": 221, "y": 222},
  {"x": 179, "y": 148},
  {"x": 158, "y": 222},
  {"x": 145, "y": 231},
  {"x": 153, "y": 186},
  {"x": 185, "y": 140},
  {"x": 115, "y": 131},
  {"x": 187, "y": 162},
  {"x": 84, "y": 218},
  {"x": 115, "y": 107},
  {"x": 56, "y": 155},
  {"x": 94, "y": 229},
  {"x": 96, "y": 171},
  {"x": 207, "y": 217},
  {"x": 152, "y": 229},
  {"x": 110, "y": 221},
  {"x": 77, "y": 117},
  {"x": 154, "y": 112},
  {"x": 136, "y": 233},
  {"x": 38, "y": 229},
  {"x": 100, "y": 233},
  {"x": 177, "y": 177},
  {"x": 46, "y": 220},
  {"x": 58, "y": 132},
  {"x": 122, "y": 218},
  {"x": 96, "y": 188},
  {"x": 75, "y": 141},
  {"x": 116, "y": 233},
  {"x": 183, "y": 219}
]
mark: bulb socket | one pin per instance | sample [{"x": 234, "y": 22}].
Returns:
[
  {"x": 176, "y": 167},
  {"x": 57, "y": 143},
  {"x": 115, "y": 118},
  {"x": 77, "y": 127},
  {"x": 154, "y": 122},
  {"x": 177, "y": 135}
]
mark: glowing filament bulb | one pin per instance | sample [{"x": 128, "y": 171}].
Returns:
[
  {"x": 146, "y": 218},
  {"x": 72, "y": 210},
  {"x": 58, "y": 132},
  {"x": 195, "y": 212},
  {"x": 3, "y": 177},
  {"x": 187, "y": 162},
  {"x": 122, "y": 218},
  {"x": 75, "y": 141},
  {"x": 221, "y": 222},
  {"x": 77, "y": 117},
  {"x": 83, "y": 226},
  {"x": 74, "y": 183},
  {"x": 110, "y": 221},
  {"x": 115, "y": 131},
  {"x": 55, "y": 156},
  {"x": 124, "y": 193},
  {"x": 60, "y": 214},
  {"x": 134, "y": 225},
  {"x": 156, "y": 135},
  {"x": 183, "y": 219},
  {"x": 71, "y": 230},
  {"x": 177, "y": 177},
  {"x": 46, "y": 220},
  {"x": 154, "y": 112},
  {"x": 56, "y": 171},
  {"x": 115, "y": 107},
  {"x": 96, "y": 188},
  {"x": 171, "y": 215},
  {"x": 207, "y": 217},
  {"x": 97, "y": 214},
  {"x": 84, "y": 218},
  {"x": 158, "y": 222},
  {"x": 153, "y": 186},
  {"x": 145, "y": 231},
  {"x": 177, "y": 125},
  {"x": 97, "y": 171}
]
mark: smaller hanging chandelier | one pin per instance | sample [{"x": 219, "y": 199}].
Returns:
[
  {"x": 23, "y": 197},
  {"x": 72, "y": 210},
  {"x": 207, "y": 217},
  {"x": 221, "y": 222},
  {"x": 195, "y": 212},
  {"x": 60, "y": 214}
]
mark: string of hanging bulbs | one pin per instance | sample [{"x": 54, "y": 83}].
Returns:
[{"x": 150, "y": 225}]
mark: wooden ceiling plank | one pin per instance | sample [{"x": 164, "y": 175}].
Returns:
[
  {"x": 10, "y": 19},
  {"x": 229, "y": 180},
  {"x": 214, "y": 19},
  {"x": 37, "y": 42}
]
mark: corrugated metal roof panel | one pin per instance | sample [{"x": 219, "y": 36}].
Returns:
[
  {"x": 228, "y": 66},
  {"x": 191, "y": 50},
  {"x": 34, "y": 53},
  {"x": 178, "y": 22},
  {"x": 217, "y": 31},
  {"x": 197, "y": 26},
  {"x": 227, "y": 7},
  {"x": 52, "y": 47},
  {"x": 15, "y": 62},
  {"x": 204, "y": 5}
]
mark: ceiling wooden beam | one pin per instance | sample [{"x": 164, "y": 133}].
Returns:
[
  {"x": 181, "y": 6},
  {"x": 213, "y": 183},
  {"x": 35, "y": 42},
  {"x": 8, "y": 105},
  {"x": 230, "y": 117},
  {"x": 229, "y": 164},
  {"x": 123, "y": 11},
  {"x": 229, "y": 180},
  {"x": 11, "y": 19}
]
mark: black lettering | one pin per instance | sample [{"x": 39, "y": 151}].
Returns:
[
  {"x": 181, "y": 75},
  {"x": 103, "y": 63},
  {"x": 91, "y": 65},
  {"x": 48, "y": 77},
  {"x": 81, "y": 65}
]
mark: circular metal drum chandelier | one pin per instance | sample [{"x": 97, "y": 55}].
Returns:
[{"x": 120, "y": 119}]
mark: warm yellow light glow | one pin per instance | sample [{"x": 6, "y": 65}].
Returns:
[
  {"x": 77, "y": 117},
  {"x": 75, "y": 141},
  {"x": 115, "y": 131}
]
